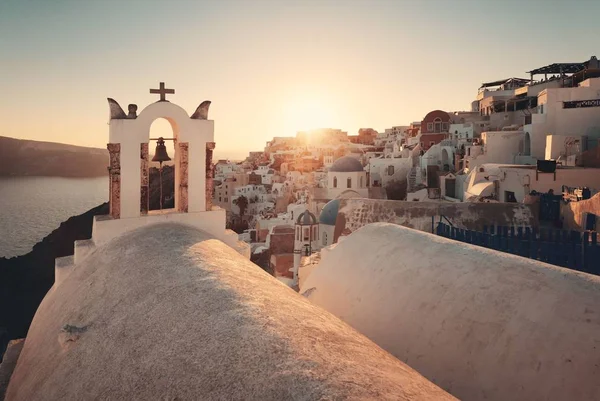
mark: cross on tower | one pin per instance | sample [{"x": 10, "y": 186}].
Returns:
[{"x": 162, "y": 92}]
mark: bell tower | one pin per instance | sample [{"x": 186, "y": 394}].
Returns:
[
  {"x": 129, "y": 136},
  {"x": 306, "y": 240},
  {"x": 129, "y": 139},
  {"x": 193, "y": 138}
]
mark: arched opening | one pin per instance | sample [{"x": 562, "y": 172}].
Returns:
[
  {"x": 349, "y": 183},
  {"x": 361, "y": 182},
  {"x": 437, "y": 124},
  {"x": 161, "y": 127},
  {"x": 446, "y": 159},
  {"x": 335, "y": 182},
  {"x": 527, "y": 145}
]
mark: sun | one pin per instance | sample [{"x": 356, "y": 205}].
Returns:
[{"x": 308, "y": 113}]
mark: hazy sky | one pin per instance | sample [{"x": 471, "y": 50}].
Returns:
[{"x": 273, "y": 67}]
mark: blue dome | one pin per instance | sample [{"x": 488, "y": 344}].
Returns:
[
  {"x": 329, "y": 213},
  {"x": 346, "y": 164}
]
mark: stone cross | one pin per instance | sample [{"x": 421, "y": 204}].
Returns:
[{"x": 162, "y": 92}]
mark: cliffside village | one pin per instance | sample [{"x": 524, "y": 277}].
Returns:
[
  {"x": 164, "y": 304},
  {"x": 524, "y": 140}
]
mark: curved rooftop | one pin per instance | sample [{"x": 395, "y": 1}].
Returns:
[
  {"x": 329, "y": 213},
  {"x": 306, "y": 218},
  {"x": 166, "y": 312},
  {"x": 346, "y": 164},
  {"x": 447, "y": 315}
]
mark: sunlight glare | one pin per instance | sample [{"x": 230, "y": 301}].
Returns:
[{"x": 302, "y": 114}]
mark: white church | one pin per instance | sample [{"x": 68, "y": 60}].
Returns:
[{"x": 347, "y": 178}]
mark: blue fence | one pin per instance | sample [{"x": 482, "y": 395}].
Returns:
[{"x": 572, "y": 249}]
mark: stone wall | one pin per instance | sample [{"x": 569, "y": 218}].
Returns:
[
  {"x": 573, "y": 213},
  {"x": 281, "y": 265},
  {"x": 355, "y": 213},
  {"x": 282, "y": 242}
]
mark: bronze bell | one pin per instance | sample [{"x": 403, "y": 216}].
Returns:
[{"x": 160, "y": 155}]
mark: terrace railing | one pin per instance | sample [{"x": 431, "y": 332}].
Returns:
[{"x": 572, "y": 249}]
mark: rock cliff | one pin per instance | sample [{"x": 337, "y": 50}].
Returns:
[
  {"x": 24, "y": 280},
  {"x": 33, "y": 158}
]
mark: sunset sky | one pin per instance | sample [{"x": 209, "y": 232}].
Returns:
[{"x": 270, "y": 68}]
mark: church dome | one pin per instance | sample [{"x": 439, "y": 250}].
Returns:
[
  {"x": 346, "y": 164},
  {"x": 329, "y": 213},
  {"x": 306, "y": 219}
]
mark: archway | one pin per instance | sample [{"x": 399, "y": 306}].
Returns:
[
  {"x": 129, "y": 157},
  {"x": 169, "y": 121},
  {"x": 162, "y": 128},
  {"x": 527, "y": 145},
  {"x": 446, "y": 160}
]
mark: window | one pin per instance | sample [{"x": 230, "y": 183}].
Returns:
[
  {"x": 226, "y": 199},
  {"x": 219, "y": 199},
  {"x": 297, "y": 233},
  {"x": 445, "y": 126},
  {"x": 429, "y": 127},
  {"x": 469, "y": 151},
  {"x": 509, "y": 196},
  {"x": 361, "y": 182},
  {"x": 335, "y": 182},
  {"x": 390, "y": 170},
  {"x": 306, "y": 234},
  {"x": 431, "y": 143},
  {"x": 437, "y": 125},
  {"x": 541, "y": 109},
  {"x": 349, "y": 183},
  {"x": 314, "y": 233}
]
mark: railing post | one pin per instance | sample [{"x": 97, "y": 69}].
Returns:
[{"x": 584, "y": 243}]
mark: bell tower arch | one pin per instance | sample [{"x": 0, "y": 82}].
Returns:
[{"x": 129, "y": 135}]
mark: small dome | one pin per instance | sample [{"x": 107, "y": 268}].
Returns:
[
  {"x": 306, "y": 218},
  {"x": 346, "y": 164},
  {"x": 329, "y": 213}
]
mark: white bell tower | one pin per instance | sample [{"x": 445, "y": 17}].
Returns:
[{"x": 306, "y": 238}]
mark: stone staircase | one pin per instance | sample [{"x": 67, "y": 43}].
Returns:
[
  {"x": 63, "y": 266},
  {"x": 411, "y": 180}
]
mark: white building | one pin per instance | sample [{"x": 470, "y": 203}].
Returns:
[
  {"x": 497, "y": 147},
  {"x": 266, "y": 174},
  {"x": 511, "y": 183},
  {"x": 347, "y": 178},
  {"x": 224, "y": 168},
  {"x": 565, "y": 112},
  {"x": 382, "y": 171}
]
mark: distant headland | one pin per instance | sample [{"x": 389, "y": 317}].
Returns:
[{"x": 20, "y": 157}]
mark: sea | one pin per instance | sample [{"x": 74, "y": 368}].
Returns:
[{"x": 32, "y": 207}]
